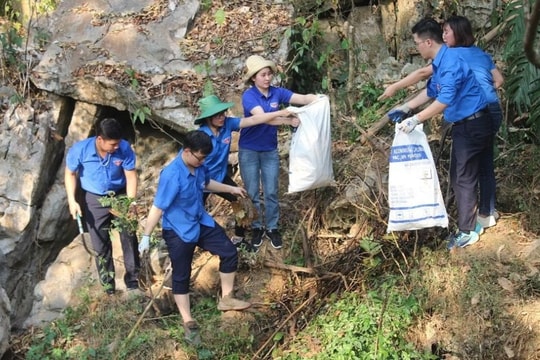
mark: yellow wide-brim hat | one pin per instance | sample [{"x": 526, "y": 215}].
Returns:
[{"x": 256, "y": 63}]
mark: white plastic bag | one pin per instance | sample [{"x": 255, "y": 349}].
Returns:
[
  {"x": 310, "y": 155},
  {"x": 414, "y": 193}
]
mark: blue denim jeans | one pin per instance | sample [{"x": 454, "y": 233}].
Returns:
[
  {"x": 487, "y": 182},
  {"x": 258, "y": 167}
]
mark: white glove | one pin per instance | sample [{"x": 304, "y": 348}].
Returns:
[
  {"x": 408, "y": 124},
  {"x": 144, "y": 245}
]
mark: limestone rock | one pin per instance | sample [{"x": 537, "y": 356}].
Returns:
[
  {"x": 5, "y": 324},
  {"x": 126, "y": 38}
]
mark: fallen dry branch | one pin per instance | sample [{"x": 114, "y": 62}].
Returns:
[
  {"x": 368, "y": 134},
  {"x": 280, "y": 326},
  {"x": 146, "y": 309},
  {"x": 293, "y": 268}
]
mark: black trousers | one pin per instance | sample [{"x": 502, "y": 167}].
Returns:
[
  {"x": 98, "y": 222},
  {"x": 472, "y": 145}
]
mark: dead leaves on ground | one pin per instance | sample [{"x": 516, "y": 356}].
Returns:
[
  {"x": 244, "y": 212},
  {"x": 235, "y": 28}
]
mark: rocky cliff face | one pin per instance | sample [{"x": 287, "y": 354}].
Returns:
[{"x": 151, "y": 57}]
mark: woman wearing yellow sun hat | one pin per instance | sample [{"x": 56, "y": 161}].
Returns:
[{"x": 258, "y": 154}]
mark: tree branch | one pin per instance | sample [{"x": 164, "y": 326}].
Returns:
[{"x": 532, "y": 21}]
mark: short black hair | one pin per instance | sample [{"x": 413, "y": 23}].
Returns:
[
  {"x": 197, "y": 140},
  {"x": 462, "y": 28},
  {"x": 109, "y": 129},
  {"x": 428, "y": 29}
]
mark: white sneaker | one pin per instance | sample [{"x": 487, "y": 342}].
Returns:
[{"x": 488, "y": 221}]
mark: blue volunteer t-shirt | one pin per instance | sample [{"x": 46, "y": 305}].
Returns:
[
  {"x": 481, "y": 64},
  {"x": 180, "y": 195},
  {"x": 262, "y": 137},
  {"x": 99, "y": 176},
  {"x": 218, "y": 159},
  {"x": 453, "y": 83}
]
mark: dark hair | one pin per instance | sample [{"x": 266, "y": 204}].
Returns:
[
  {"x": 196, "y": 140},
  {"x": 428, "y": 29},
  {"x": 109, "y": 129},
  {"x": 462, "y": 28}
]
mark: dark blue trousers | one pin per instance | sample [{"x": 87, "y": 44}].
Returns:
[
  {"x": 472, "y": 147},
  {"x": 487, "y": 181},
  {"x": 98, "y": 222},
  {"x": 212, "y": 239}
]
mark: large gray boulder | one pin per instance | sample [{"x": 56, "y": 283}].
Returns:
[{"x": 111, "y": 52}]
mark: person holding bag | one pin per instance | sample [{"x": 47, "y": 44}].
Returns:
[
  {"x": 456, "y": 93},
  {"x": 258, "y": 154},
  {"x": 457, "y": 32},
  {"x": 214, "y": 122}
]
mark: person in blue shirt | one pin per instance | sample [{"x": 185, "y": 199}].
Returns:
[
  {"x": 457, "y": 32},
  {"x": 186, "y": 224},
  {"x": 104, "y": 163},
  {"x": 458, "y": 95},
  {"x": 214, "y": 122},
  {"x": 258, "y": 154}
]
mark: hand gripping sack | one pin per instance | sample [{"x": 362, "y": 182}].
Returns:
[
  {"x": 414, "y": 194},
  {"x": 310, "y": 154}
]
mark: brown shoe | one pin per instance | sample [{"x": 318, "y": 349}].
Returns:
[
  {"x": 191, "y": 333},
  {"x": 229, "y": 303}
]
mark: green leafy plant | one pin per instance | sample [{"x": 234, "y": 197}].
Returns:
[
  {"x": 56, "y": 342},
  {"x": 10, "y": 40},
  {"x": 87, "y": 330},
  {"x": 220, "y": 16},
  {"x": 522, "y": 83},
  {"x": 206, "y": 69},
  {"x": 304, "y": 36},
  {"x": 125, "y": 218},
  {"x": 16, "y": 98},
  {"x": 42, "y": 38},
  {"x": 370, "y": 326},
  {"x": 206, "y": 5},
  {"x": 134, "y": 83},
  {"x": 141, "y": 114},
  {"x": 45, "y": 6}
]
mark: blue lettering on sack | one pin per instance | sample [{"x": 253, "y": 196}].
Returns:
[{"x": 407, "y": 153}]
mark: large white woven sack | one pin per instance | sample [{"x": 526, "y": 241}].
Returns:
[
  {"x": 414, "y": 193},
  {"x": 310, "y": 155}
]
